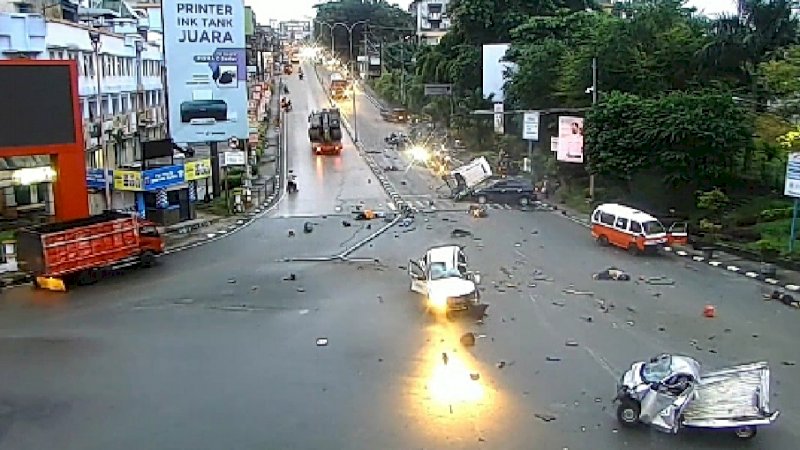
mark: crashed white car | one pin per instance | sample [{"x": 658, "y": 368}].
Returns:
[
  {"x": 443, "y": 278},
  {"x": 670, "y": 392}
]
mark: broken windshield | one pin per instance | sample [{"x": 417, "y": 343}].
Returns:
[
  {"x": 440, "y": 271},
  {"x": 655, "y": 371}
]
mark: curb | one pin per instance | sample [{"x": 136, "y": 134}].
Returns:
[{"x": 684, "y": 254}]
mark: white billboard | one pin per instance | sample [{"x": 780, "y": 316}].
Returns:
[
  {"x": 494, "y": 70},
  {"x": 570, "y": 139},
  {"x": 530, "y": 126},
  {"x": 204, "y": 52}
]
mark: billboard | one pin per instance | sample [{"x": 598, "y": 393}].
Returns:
[
  {"x": 570, "y": 139},
  {"x": 494, "y": 71},
  {"x": 204, "y": 50}
]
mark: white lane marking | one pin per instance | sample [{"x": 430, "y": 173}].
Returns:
[{"x": 391, "y": 206}]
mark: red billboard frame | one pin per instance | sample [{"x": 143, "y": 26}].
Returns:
[{"x": 69, "y": 160}]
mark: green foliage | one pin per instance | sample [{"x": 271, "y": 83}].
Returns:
[
  {"x": 714, "y": 201},
  {"x": 771, "y": 215},
  {"x": 690, "y": 138}
]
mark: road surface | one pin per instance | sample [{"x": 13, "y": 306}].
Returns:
[{"x": 213, "y": 349}]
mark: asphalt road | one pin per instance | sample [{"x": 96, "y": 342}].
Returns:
[{"x": 213, "y": 349}]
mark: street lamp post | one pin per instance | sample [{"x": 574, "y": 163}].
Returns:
[
  {"x": 138, "y": 106},
  {"x": 330, "y": 27},
  {"x": 594, "y": 102},
  {"x": 349, "y": 29},
  {"x": 94, "y": 37}
]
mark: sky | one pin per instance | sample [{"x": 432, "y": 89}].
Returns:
[{"x": 302, "y": 9}]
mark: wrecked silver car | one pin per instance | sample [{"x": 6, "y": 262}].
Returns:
[{"x": 670, "y": 392}]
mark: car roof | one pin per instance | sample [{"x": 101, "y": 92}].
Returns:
[
  {"x": 444, "y": 253},
  {"x": 625, "y": 211}
]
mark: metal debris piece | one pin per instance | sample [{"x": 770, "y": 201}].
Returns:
[
  {"x": 468, "y": 339},
  {"x": 459, "y": 233},
  {"x": 322, "y": 342},
  {"x": 474, "y": 376},
  {"x": 612, "y": 273},
  {"x": 545, "y": 417},
  {"x": 662, "y": 329},
  {"x": 308, "y": 227},
  {"x": 788, "y": 363},
  {"x": 300, "y": 289},
  {"x": 303, "y": 312},
  {"x": 253, "y": 288},
  {"x": 630, "y": 323},
  {"x": 531, "y": 285},
  {"x": 346, "y": 224},
  {"x": 231, "y": 280},
  {"x": 501, "y": 364},
  {"x": 631, "y": 309},
  {"x": 555, "y": 303},
  {"x": 552, "y": 359},
  {"x": 587, "y": 318},
  {"x": 290, "y": 277},
  {"x": 517, "y": 244},
  {"x": 659, "y": 281},
  {"x": 571, "y": 343},
  {"x": 575, "y": 292}
]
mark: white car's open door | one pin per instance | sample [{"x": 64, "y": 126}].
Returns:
[{"x": 419, "y": 282}]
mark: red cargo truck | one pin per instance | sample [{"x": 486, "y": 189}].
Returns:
[{"x": 79, "y": 250}]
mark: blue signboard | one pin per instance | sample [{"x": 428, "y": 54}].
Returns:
[
  {"x": 94, "y": 178},
  {"x": 162, "y": 177}
]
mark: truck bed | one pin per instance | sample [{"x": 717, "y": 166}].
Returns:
[{"x": 739, "y": 393}]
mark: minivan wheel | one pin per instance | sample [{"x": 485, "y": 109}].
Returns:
[
  {"x": 602, "y": 240},
  {"x": 482, "y": 199},
  {"x": 147, "y": 259},
  {"x": 633, "y": 250},
  {"x": 524, "y": 201}
]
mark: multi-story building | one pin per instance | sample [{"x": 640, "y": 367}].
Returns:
[
  {"x": 295, "y": 30},
  {"x": 431, "y": 18},
  {"x": 119, "y": 68}
]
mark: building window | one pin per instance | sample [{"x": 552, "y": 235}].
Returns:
[
  {"x": 125, "y": 103},
  {"x": 24, "y": 8},
  {"x": 92, "y": 109},
  {"x": 94, "y": 158},
  {"x": 88, "y": 64}
]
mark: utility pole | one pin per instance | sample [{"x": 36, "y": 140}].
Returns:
[
  {"x": 594, "y": 102},
  {"x": 138, "y": 105},
  {"x": 402, "y": 72},
  {"x": 94, "y": 37}
]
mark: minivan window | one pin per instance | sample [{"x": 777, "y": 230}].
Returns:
[
  {"x": 622, "y": 223},
  {"x": 607, "y": 219},
  {"x": 440, "y": 271},
  {"x": 653, "y": 227},
  {"x": 636, "y": 227},
  {"x": 596, "y": 217}
]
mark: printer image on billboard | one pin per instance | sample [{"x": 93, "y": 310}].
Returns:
[{"x": 204, "y": 111}]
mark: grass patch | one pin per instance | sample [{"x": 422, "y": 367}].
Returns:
[
  {"x": 8, "y": 235},
  {"x": 577, "y": 201},
  {"x": 749, "y": 211}
]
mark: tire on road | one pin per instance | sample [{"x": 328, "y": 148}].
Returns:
[
  {"x": 602, "y": 240},
  {"x": 524, "y": 201},
  {"x": 628, "y": 413}
]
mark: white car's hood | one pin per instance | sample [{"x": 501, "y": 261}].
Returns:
[{"x": 450, "y": 287}]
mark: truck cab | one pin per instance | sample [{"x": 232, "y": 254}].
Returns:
[{"x": 443, "y": 277}]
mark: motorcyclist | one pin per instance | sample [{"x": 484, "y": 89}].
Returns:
[
  {"x": 300, "y": 73},
  {"x": 291, "y": 184}
]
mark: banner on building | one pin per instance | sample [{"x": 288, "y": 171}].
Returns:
[
  {"x": 204, "y": 47},
  {"x": 197, "y": 170},
  {"x": 127, "y": 180},
  {"x": 570, "y": 139},
  {"x": 163, "y": 177}
]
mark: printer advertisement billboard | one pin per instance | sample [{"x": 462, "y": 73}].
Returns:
[{"x": 204, "y": 46}]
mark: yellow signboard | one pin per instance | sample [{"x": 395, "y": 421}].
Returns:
[
  {"x": 127, "y": 180},
  {"x": 197, "y": 170}
]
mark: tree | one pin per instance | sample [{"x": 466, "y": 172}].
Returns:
[{"x": 690, "y": 139}]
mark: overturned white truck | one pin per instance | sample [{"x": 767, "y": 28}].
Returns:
[
  {"x": 671, "y": 392},
  {"x": 464, "y": 178}
]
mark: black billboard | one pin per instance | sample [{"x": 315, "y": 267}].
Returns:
[{"x": 36, "y": 105}]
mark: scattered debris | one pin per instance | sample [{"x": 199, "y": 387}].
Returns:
[
  {"x": 301, "y": 289},
  {"x": 560, "y": 304},
  {"x": 517, "y": 244},
  {"x": 474, "y": 376},
  {"x": 253, "y": 288},
  {"x": 631, "y": 309},
  {"x": 587, "y": 318},
  {"x": 291, "y": 233},
  {"x": 501, "y": 364},
  {"x": 630, "y": 323},
  {"x": 612, "y": 273},
  {"x": 531, "y": 285},
  {"x": 231, "y": 280},
  {"x": 788, "y": 363},
  {"x": 303, "y": 312},
  {"x": 709, "y": 311},
  {"x": 346, "y": 224},
  {"x": 662, "y": 329},
  {"x": 290, "y": 277},
  {"x": 460, "y": 233},
  {"x": 406, "y": 222},
  {"x": 552, "y": 359},
  {"x": 322, "y": 342},
  {"x": 545, "y": 417},
  {"x": 308, "y": 227},
  {"x": 468, "y": 339},
  {"x": 571, "y": 343}
]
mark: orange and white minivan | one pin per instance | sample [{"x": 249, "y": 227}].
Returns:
[{"x": 634, "y": 230}]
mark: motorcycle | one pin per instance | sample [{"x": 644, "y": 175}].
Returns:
[
  {"x": 301, "y": 75},
  {"x": 291, "y": 185}
]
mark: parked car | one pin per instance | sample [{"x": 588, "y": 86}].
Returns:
[{"x": 505, "y": 190}]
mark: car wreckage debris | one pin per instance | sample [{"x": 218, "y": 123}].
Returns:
[
  {"x": 545, "y": 417},
  {"x": 612, "y": 273},
  {"x": 459, "y": 233},
  {"x": 468, "y": 339}
]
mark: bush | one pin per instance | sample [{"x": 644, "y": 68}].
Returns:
[{"x": 771, "y": 215}]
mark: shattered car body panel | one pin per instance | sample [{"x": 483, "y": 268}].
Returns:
[{"x": 670, "y": 392}]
